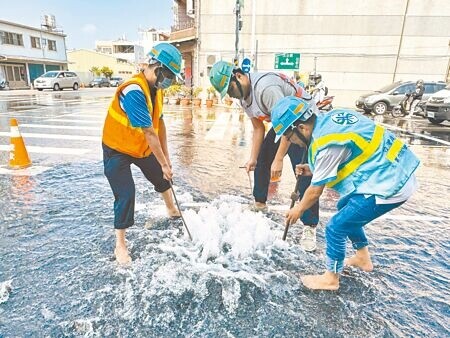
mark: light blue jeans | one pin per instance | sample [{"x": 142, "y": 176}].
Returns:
[{"x": 353, "y": 213}]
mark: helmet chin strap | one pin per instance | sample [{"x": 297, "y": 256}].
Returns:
[
  {"x": 239, "y": 86},
  {"x": 241, "y": 92},
  {"x": 301, "y": 137}
]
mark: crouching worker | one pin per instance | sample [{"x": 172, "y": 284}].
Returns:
[
  {"x": 134, "y": 133},
  {"x": 371, "y": 169}
]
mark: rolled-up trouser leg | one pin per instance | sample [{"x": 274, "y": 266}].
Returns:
[
  {"x": 152, "y": 171},
  {"x": 349, "y": 222}
]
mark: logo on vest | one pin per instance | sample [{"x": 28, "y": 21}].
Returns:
[{"x": 344, "y": 118}]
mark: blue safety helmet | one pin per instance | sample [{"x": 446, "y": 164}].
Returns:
[
  {"x": 220, "y": 76},
  {"x": 288, "y": 110},
  {"x": 168, "y": 55}
]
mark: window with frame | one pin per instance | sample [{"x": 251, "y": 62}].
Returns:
[
  {"x": 35, "y": 42},
  {"x": 9, "y": 38},
  {"x": 408, "y": 88},
  {"x": 51, "y": 45}
]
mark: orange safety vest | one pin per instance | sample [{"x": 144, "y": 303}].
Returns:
[{"x": 118, "y": 133}]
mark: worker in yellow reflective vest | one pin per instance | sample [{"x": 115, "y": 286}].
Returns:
[
  {"x": 135, "y": 133},
  {"x": 371, "y": 169}
]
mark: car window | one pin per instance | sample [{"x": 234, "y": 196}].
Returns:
[
  {"x": 387, "y": 88},
  {"x": 61, "y": 75},
  {"x": 440, "y": 86},
  {"x": 66, "y": 74},
  {"x": 407, "y": 88},
  {"x": 50, "y": 74},
  {"x": 433, "y": 87},
  {"x": 430, "y": 88}
]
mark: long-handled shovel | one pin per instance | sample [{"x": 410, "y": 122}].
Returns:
[
  {"x": 179, "y": 209},
  {"x": 249, "y": 181},
  {"x": 295, "y": 194}
]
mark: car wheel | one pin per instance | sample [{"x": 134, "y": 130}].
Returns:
[
  {"x": 379, "y": 108},
  {"x": 435, "y": 121},
  {"x": 56, "y": 87},
  {"x": 40, "y": 89},
  {"x": 75, "y": 86}
]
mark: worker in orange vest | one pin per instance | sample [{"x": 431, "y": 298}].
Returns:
[{"x": 135, "y": 133}]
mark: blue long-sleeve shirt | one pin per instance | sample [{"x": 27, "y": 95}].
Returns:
[{"x": 132, "y": 101}]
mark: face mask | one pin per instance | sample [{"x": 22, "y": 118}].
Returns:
[{"x": 163, "y": 82}]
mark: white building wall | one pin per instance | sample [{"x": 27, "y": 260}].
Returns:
[
  {"x": 356, "y": 45},
  {"x": 27, "y": 51}
]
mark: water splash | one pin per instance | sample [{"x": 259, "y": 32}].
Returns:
[{"x": 5, "y": 290}]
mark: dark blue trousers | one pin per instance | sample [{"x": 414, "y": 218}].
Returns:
[
  {"x": 262, "y": 174},
  {"x": 118, "y": 172}
]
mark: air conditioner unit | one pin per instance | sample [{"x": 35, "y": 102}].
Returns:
[
  {"x": 211, "y": 59},
  {"x": 190, "y": 11}
]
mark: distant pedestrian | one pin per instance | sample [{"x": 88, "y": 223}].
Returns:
[
  {"x": 416, "y": 97},
  {"x": 135, "y": 133}
]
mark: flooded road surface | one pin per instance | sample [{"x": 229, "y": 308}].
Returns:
[{"x": 237, "y": 278}]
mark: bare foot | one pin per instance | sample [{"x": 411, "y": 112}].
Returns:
[
  {"x": 327, "y": 281},
  {"x": 173, "y": 213},
  {"x": 365, "y": 264},
  {"x": 122, "y": 256}
]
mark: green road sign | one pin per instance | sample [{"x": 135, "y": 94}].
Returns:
[{"x": 287, "y": 61}]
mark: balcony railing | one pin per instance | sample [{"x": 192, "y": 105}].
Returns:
[
  {"x": 182, "y": 26},
  {"x": 185, "y": 31}
]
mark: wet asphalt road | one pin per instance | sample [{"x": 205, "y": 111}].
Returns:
[{"x": 65, "y": 187}]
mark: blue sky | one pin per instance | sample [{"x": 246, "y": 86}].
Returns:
[{"x": 85, "y": 21}]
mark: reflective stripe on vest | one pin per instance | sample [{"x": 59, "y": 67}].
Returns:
[
  {"x": 367, "y": 148},
  {"x": 119, "y": 134}
]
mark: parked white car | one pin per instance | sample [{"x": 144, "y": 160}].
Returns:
[
  {"x": 57, "y": 80},
  {"x": 116, "y": 81}
]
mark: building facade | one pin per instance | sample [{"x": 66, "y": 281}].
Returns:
[
  {"x": 356, "y": 46},
  {"x": 82, "y": 60},
  {"x": 27, "y": 52},
  {"x": 149, "y": 37},
  {"x": 121, "y": 49}
]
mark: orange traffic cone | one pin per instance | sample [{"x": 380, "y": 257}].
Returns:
[{"x": 18, "y": 156}]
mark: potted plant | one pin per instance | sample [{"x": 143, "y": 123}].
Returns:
[
  {"x": 196, "y": 101},
  {"x": 228, "y": 100},
  {"x": 211, "y": 96},
  {"x": 185, "y": 95},
  {"x": 172, "y": 93}
]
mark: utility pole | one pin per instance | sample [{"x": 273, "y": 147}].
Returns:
[{"x": 237, "y": 12}]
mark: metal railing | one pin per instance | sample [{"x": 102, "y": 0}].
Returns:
[{"x": 182, "y": 26}]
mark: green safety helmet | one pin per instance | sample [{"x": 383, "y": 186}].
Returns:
[
  {"x": 168, "y": 55},
  {"x": 220, "y": 76},
  {"x": 288, "y": 110}
]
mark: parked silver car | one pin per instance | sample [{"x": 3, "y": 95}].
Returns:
[
  {"x": 380, "y": 101},
  {"x": 57, "y": 80}
]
